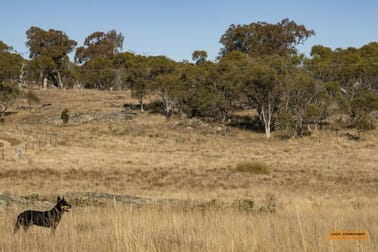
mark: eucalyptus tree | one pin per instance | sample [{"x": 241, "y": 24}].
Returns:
[
  {"x": 49, "y": 52},
  {"x": 354, "y": 70},
  {"x": 11, "y": 64},
  {"x": 199, "y": 56},
  {"x": 100, "y": 44},
  {"x": 98, "y": 73},
  {"x": 262, "y": 38},
  {"x": 99, "y": 70}
]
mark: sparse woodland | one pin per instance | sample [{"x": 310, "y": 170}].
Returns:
[{"x": 258, "y": 68}]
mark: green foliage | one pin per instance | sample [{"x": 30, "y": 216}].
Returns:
[
  {"x": 312, "y": 114},
  {"x": 137, "y": 74},
  {"x": 286, "y": 122},
  {"x": 8, "y": 94},
  {"x": 4, "y": 47},
  {"x": 170, "y": 89},
  {"x": 261, "y": 38},
  {"x": 65, "y": 116},
  {"x": 155, "y": 106},
  {"x": 365, "y": 103},
  {"x": 264, "y": 85},
  {"x": 199, "y": 56},
  {"x": 40, "y": 67},
  {"x": 98, "y": 73},
  {"x": 201, "y": 93},
  {"x": 52, "y": 43},
  {"x": 49, "y": 50},
  {"x": 253, "y": 167},
  {"x": 10, "y": 63},
  {"x": 259, "y": 68},
  {"x": 100, "y": 44},
  {"x": 349, "y": 67}
]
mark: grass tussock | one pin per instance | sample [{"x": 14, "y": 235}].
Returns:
[{"x": 253, "y": 167}]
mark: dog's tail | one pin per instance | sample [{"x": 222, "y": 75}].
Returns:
[{"x": 16, "y": 227}]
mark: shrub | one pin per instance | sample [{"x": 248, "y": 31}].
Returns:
[
  {"x": 244, "y": 204},
  {"x": 155, "y": 106},
  {"x": 8, "y": 94},
  {"x": 253, "y": 167},
  {"x": 65, "y": 116}
]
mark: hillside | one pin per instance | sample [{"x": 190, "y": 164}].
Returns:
[{"x": 105, "y": 150}]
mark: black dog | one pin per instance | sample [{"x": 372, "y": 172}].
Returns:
[{"x": 48, "y": 219}]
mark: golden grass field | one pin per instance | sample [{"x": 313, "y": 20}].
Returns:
[{"x": 317, "y": 184}]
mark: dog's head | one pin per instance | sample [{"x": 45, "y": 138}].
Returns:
[{"x": 62, "y": 204}]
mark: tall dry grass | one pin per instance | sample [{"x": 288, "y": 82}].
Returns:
[{"x": 119, "y": 228}]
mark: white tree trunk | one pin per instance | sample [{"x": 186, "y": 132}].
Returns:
[
  {"x": 267, "y": 118},
  {"x": 60, "y": 83},
  {"x": 44, "y": 85},
  {"x": 22, "y": 73}
]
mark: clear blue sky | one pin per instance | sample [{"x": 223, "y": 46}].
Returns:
[{"x": 177, "y": 28}]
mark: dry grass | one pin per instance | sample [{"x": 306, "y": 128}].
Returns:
[
  {"x": 330, "y": 180},
  {"x": 165, "y": 229}
]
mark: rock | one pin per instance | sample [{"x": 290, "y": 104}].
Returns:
[
  {"x": 8, "y": 200},
  {"x": 218, "y": 128}
]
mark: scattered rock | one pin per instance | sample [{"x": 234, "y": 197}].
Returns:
[
  {"x": 91, "y": 117},
  {"x": 354, "y": 137},
  {"x": 10, "y": 200},
  {"x": 203, "y": 127},
  {"x": 218, "y": 128},
  {"x": 83, "y": 199}
]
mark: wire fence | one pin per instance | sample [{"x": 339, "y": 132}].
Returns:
[{"x": 14, "y": 152}]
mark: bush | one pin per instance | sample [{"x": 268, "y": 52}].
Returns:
[
  {"x": 155, "y": 107},
  {"x": 8, "y": 94},
  {"x": 65, "y": 116},
  {"x": 244, "y": 204},
  {"x": 253, "y": 167}
]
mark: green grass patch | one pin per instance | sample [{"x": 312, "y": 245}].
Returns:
[{"x": 253, "y": 167}]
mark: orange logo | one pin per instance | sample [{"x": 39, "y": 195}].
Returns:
[{"x": 348, "y": 235}]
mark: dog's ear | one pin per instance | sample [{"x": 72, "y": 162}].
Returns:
[{"x": 58, "y": 199}]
